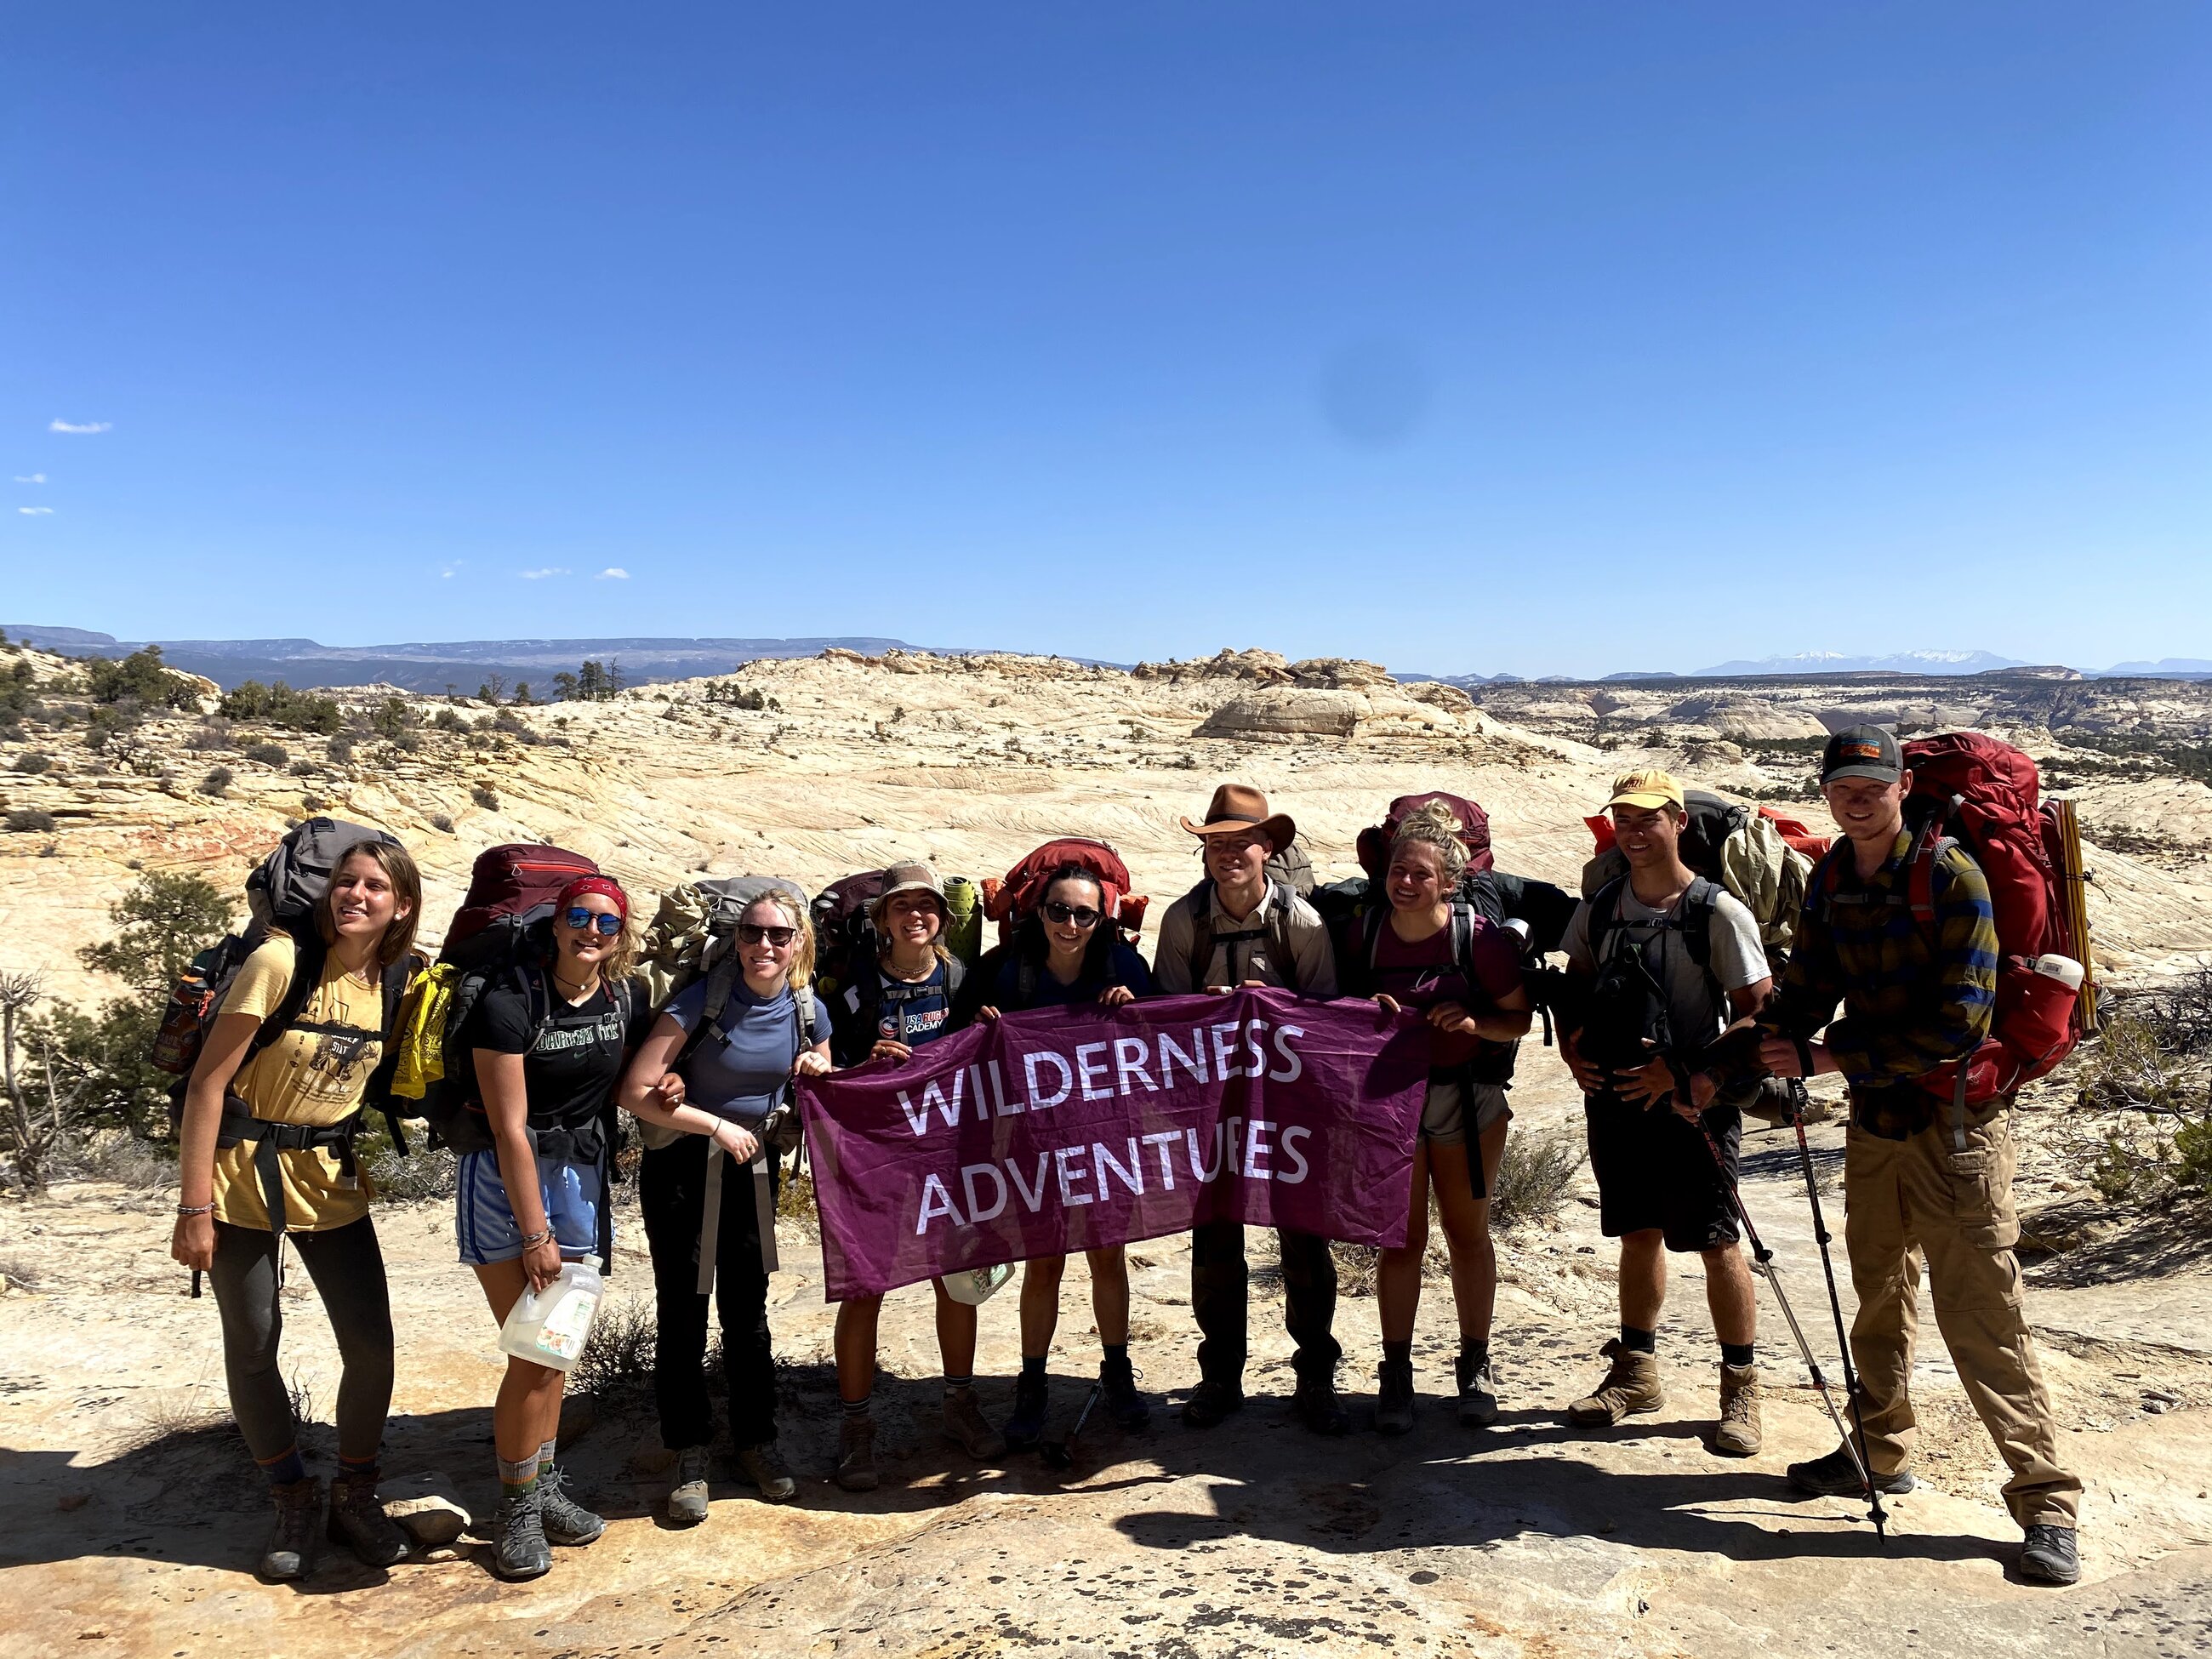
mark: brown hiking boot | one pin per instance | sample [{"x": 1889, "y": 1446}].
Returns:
[
  {"x": 1631, "y": 1386},
  {"x": 856, "y": 1454},
  {"x": 966, "y": 1427},
  {"x": 1739, "y": 1433}
]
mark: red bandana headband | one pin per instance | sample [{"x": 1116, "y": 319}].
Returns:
[{"x": 604, "y": 886}]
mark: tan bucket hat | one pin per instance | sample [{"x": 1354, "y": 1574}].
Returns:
[
  {"x": 913, "y": 877},
  {"x": 1237, "y": 806}
]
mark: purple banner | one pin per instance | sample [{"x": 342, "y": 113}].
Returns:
[{"x": 1073, "y": 1128}]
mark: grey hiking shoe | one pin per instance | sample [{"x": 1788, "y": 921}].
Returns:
[
  {"x": 1118, "y": 1377},
  {"x": 566, "y": 1520},
  {"x": 765, "y": 1467},
  {"x": 966, "y": 1427},
  {"x": 856, "y": 1454},
  {"x": 1478, "y": 1392},
  {"x": 2050, "y": 1556},
  {"x": 358, "y": 1521},
  {"x": 291, "y": 1549},
  {"x": 1837, "y": 1476},
  {"x": 1316, "y": 1404},
  {"x": 1631, "y": 1386},
  {"x": 687, "y": 1499},
  {"x": 1211, "y": 1400},
  {"x": 1394, "y": 1400},
  {"x": 518, "y": 1548}
]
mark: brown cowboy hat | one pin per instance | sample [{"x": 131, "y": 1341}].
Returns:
[{"x": 1240, "y": 807}]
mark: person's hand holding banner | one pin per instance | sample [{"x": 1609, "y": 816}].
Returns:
[{"x": 1075, "y": 1128}]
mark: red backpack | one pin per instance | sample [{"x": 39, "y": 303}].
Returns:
[
  {"x": 514, "y": 882},
  {"x": 1985, "y": 795},
  {"x": 1373, "y": 846},
  {"x": 1007, "y": 902}
]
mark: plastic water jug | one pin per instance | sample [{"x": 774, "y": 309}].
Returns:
[{"x": 549, "y": 1327}]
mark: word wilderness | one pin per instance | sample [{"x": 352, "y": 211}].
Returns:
[{"x": 1076, "y": 1128}]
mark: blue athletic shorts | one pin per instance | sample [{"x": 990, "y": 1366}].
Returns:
[{"x": 483, "y": 1219}]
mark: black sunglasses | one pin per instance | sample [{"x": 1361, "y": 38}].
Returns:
[
  {"x": 606, "y": 920},
  {"x": 1082, "y": 915},
  {"x": 751, "y": 933}
]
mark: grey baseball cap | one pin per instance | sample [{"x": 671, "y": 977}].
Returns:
[{"x": 1862, "y": 751}]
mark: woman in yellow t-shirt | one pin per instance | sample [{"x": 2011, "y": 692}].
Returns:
[{"x": 311, "y": 1075}]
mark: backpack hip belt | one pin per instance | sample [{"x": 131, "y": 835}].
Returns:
[{"x": 239, "y": 1126}]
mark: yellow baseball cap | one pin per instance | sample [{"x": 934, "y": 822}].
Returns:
[{"x": 1648, "y": 787}]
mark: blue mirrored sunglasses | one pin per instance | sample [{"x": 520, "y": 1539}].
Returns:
[{"x": 607, "y": 921}]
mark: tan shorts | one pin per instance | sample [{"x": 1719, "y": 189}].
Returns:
[{"x": 1444, "y": 1112}]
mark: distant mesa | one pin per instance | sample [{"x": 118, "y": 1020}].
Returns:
[{"x": 1837, "y": 662}]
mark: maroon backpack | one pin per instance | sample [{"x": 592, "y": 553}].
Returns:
[
  {"x": 517, "y": 882},
  {"x": 1373, "y": 846}
]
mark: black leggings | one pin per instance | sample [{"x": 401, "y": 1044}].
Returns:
[
  {"x": 347, "y": 1267},
  {"x": 672, "y": 1196}
]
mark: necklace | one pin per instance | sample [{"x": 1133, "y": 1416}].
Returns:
[{"x": 576, "y": 994}]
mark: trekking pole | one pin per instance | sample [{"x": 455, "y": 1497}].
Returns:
[
  {"x": 1797, "y": 1105},
  {"x": 1765, "y": 1259},
  {"x": 1061, "y": 1454}
]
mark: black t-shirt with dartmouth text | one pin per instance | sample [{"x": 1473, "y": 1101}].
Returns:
[{"x": 572, "y": 1058}]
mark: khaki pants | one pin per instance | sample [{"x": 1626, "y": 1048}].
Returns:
[{"x": 1957, "y": 1207}]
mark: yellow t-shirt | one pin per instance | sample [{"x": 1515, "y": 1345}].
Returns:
[{"x": 313, "y": 1077}]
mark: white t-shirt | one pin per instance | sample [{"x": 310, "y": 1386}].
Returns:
[{"x": 1697, "y": 998}]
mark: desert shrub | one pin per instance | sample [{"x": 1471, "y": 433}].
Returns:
[
  {"x": 314, "y": 803},
  {"x": 391, "y": 718},
  {"x": 143, "y": 1166},
  {"x": 29, "y": 820},
  {"x": 107, "y": 721},
  {"x": 31, "y": 763},
  {"x": 407, "y": 743},
  {"x": 280, "y": 705},
  {"x": 508, "y": 721},
  {"x": 305, "y": 768},
  {"x": 217, "y": 783},
  {"x": 139, "y": 678},
  {"x": 212, "y": 737},
  {"x": 616, "y": 1367},
  {"x": 440, "y": 822},
  {"x": 794, "y": 1202},
  {"x": 422, "y": 1173},
  {"x": 485, "y": 796},
  {"x": 1534, "y": 1175},
  {"x": 448, "y": 720},
  {"x": 267, "y": 754},
  {"x": 340, "y": 750}
]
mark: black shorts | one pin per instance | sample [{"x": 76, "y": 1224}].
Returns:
[{"x": 1654, "y": 1170}]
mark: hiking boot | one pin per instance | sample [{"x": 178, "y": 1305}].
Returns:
[
  {"x": 1032, "y": 1399},
  {"x": 856, "y": 1454},
  {"x": 519, "y": 1549},
  {"x": 1211, "y": 1402},
  {"x": 966, "y": 1427},
  {"x": 1315, "y": 1405},
  {"x": 358, "y": 1521},
  {"x": 291, "y": 1549},
  {"x": 687, "y": 1500},
  {"x": 565, "y": 1520},
  {"x": 2048, "y": 1556},
  {"x": 1478, "y": 1392},
  {"x": 765, "y": 1467},
  {"x": 1631, "y": 1386},
  {"x": 1394, "y": 1400},
  {"x": 1837, "y": 1476},
  {"x": 1739, "y": 1433},
  {"x": 1118, "y": 1377}
]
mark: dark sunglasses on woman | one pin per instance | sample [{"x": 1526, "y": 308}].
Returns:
[
  {"x": 1081, "y": 916},
  {"x": 606, "y": 920},
  {"x": 751, "y": 933}
]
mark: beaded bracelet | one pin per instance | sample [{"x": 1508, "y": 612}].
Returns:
[
  {"x": 195, "y": 1209},
  {"x": 531, "y": 1241}
]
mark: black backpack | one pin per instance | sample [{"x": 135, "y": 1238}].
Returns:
[
  {"x": 1625, "y": 1006},
  {"x": 857, "y": 1011}
]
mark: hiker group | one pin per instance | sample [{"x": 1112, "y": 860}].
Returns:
[{"x": 1705, "y": 961}]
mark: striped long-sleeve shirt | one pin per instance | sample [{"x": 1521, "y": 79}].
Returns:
[{"x": 1907, "y": 1008}]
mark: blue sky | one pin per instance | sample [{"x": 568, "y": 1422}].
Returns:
[{"x": 1545, "y": 337}]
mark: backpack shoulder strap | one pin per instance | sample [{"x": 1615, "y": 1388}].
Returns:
[
  {"x": 1462, "y": 941},
  {"x": 309, "y": 955},
  {"x": 1281, "y": 899},
  {"x": 1920, "y": 879},
  {"x": 956, "y": 974},
  {"x": 1200, "y": 957},
  {"x": 1025, "y": 976},
  {"x": 1605, "y": 914},
  {"x": 1700, "y": 901}
]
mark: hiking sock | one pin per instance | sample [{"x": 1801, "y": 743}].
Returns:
[
  {"x": 1116, "y": 1353},
  {"x": 366, "y": 1468},
  {"x": 285, "y": 1469},
  {"x": 1034, "y": 1366},
  {"x": 546, "y": 1453},
  {"x": 1739, "y": 1354},
  {"x": 1475, "y": 1354},
  {"x": 853, "y": 1408},
  {"x": 956, "y": 1386},
  {"x": 519, "y": 1477},
  {"x": 1636, "y": 1341},
  {"x": 1402, "y": 1351}
]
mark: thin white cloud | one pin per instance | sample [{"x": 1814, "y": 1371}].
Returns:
[
  {"x": 541, "y": 574},
  {"x": 30, "y": 478},
  {"x": 613, "y": 573},
  {"x": 79, "y": 426},
  {"x": 35, "y": 510}
]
